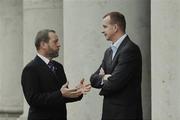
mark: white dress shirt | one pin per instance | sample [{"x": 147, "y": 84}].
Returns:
[{"x": 43, "y": 58}]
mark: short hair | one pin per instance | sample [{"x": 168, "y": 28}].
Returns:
[
  {"x": 42, "y": 35},
  {"x": 117, "y": 18}
]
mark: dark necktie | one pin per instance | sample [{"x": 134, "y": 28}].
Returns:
[{"x": 51, "y": 66}]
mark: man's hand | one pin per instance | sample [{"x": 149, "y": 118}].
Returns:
[
  {"x": 106, "y": 76},
  {"x": 70, "y": 93},
  {"x": 84, "y": 88},
  {"x": 101, "y": 72}
]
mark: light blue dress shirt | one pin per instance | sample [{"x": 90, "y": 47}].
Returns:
[{"x": 114, "y": 46}]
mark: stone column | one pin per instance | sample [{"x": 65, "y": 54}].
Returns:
[
  {"x": 11, "y": 59},
  {"x": 165, "y": 52},
  {"x": 40, "y": 14},
  {"x": 84, "y": 46}
]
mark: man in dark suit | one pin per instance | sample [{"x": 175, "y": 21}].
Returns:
[
  {"x": 44, "y": 81},
  {"x": 119, "y": 75}
]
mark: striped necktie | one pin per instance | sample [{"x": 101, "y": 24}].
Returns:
[{"x": 51, "y": 66}]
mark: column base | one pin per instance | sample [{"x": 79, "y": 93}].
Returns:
[{"x": 9, "y": 116}]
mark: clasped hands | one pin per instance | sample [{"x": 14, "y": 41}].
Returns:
[{"x": 80, "y": 89}]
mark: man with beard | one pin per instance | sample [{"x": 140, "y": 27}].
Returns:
[{"x": 44, "y": 81}]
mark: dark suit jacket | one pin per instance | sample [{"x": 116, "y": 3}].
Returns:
[
  {"x": 41, "y": 89},
  {"x": 122, "y": 91}
]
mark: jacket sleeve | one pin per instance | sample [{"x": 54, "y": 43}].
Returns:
[
  {"x": 124, "y": 71},
  {"x": 68, "y": 100},
  {"x": 34, "y": 97},
  {"x": 96, "y": 79}
]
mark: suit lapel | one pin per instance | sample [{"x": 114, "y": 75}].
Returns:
[
  {"x": 109, "y": 60},
  {"x": 115, "y": 59},
  {"x": 44, "y": 68}
]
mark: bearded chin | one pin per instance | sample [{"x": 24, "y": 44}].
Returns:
[{"x": 54, "y": 54}]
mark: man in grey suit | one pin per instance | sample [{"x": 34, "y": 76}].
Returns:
[{"x": 119, "y": 75}]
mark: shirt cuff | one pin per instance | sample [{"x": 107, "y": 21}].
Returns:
[{"x": 102, "y": 82}]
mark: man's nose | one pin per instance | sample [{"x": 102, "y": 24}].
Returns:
[
  {"x": 102, "y": 31},
  {"x": 59, "y": 45}
]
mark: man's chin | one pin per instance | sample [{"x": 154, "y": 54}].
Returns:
[
  {"x": 54, "y": 55},
  {"x": 108, "y": 39}
]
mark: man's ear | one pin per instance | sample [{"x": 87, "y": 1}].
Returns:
[
  {"x": 115, "y": 28},
  {"x": 43, "y": 44}
]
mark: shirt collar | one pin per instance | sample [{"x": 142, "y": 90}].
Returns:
[
  {"x": 118, "y": 42},
  {"x": 43, "y": 58}
]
